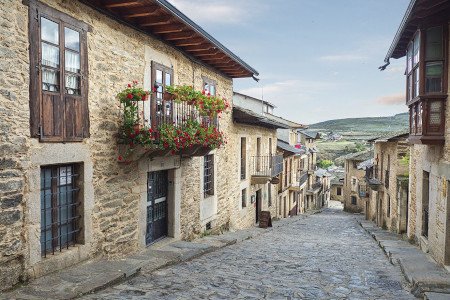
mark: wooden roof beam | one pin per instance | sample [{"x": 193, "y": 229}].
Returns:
[
  {"x": 142, "y": 12},
  {"x": 120, "y": 3},
  {"x": 172, "y": 28},
  {"x": 178, "y": 36},
  {"x": 157, "y": 20},
  {"x": 190, "y": 42},
  {"x": 199, "y": 48}
]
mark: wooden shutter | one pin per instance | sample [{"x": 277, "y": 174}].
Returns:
[
  {"x": 56, "y": 116},
  {"x": 158, "y": 104}
]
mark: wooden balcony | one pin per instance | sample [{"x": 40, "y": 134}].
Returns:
[
  {"x": 302, "y": 177},
  {"x": 372, "y": 178},
  {"x": 152, "y": 116},
  {"x": 264, "y": 168},
  {"x": 427, "y": 120}
]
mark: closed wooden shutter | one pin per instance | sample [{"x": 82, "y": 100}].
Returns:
[{"x": 56, "y": 115}]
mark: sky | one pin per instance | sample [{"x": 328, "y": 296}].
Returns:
[{"x": 318, "y": 60}]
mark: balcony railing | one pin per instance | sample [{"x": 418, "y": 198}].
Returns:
[
  {"x": 266, "y": 166},
  {"x": 154, "y": 114},
  {"x": 302, "y": 177}
]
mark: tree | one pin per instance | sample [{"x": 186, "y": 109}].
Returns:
[{"x": 325, "y": 163}]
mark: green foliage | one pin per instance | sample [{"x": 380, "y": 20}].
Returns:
[
  {"x": 404, "y": 161},
  {"x": 324, "y": 164},
  {"x": 359, "y": 147}
]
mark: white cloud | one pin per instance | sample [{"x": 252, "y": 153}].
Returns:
[
  {"x": 216, "y": 11},
  {"x": 395, "y": 99},
  {"x": 343, "y": 58}
]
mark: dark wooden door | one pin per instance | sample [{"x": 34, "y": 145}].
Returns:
[
  {"x": 156, "y": 206},
  {"x": 258, "y": 205}
]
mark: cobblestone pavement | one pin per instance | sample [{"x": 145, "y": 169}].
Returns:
[{"x": 323, "y": 256}]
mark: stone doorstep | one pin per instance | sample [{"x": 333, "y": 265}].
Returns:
[
  {"x": 97, "y": 274},
  {"x": 436, "y": 296},
  {"x": 425, "y": 275}
]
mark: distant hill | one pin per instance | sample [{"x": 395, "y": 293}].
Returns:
[{"x": 364, "y": 128}]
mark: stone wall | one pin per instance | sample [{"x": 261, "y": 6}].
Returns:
[
  {"x": 348, "y": 191},
  {"x": 246, "y": 217},
  {"x": 117, "y": 55}
]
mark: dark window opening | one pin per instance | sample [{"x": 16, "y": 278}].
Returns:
[
  {"x": 60, "y": 208},
  {"x": 353, "y": 200}
]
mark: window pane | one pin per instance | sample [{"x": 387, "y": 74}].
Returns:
[
  {"x": 416, "y": 49},
  {"x": 49, "y": 31},
  {"x": 434, "y": 43},
  {"x": 50, "y": 55},
  {"x": 419, "y": 118},
  {"x": 433, "y": 77},
  {"x": 416, "y": 82},
  {"x": 206, "y": 88},
  {"x": 212, "y": 90},
  {"x": 159, "y": 76},
  {"x": 73, "y": 84},
  {"x": 168, "y": 79},
  {"x": 72, "y": 39},
  {"x": 50, "y": 80},
  {"x": 409, "y": 87},
  {"x": 409, "y": 55},
  {"x": 72, "y": 62}
]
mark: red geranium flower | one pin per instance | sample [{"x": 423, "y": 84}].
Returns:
[
  {"x": 129, "y": 85},
  {"x": 120, "y": 158},
  {"x": 130, "y": 96}
]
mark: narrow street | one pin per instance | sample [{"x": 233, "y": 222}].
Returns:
[{"x": 323, "y": 256}]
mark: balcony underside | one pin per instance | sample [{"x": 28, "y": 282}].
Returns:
[
  {"x": 260, "y": 179},
  {"x": 129, "y": 154},
  {"x": 426, "y": 139}
]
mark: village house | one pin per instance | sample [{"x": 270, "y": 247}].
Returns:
[
  {"x": 387, "y": 179},
  {"x": 324, "y": 178},
  {"x": 337, "y": 184},
  {"x": 355, "y": 189},
  {"x": 260, "y": 165},
  {"x": 423, "y": 38},
  {"x": 70, "y": 187},
  {"x": 289, "y": 189}
]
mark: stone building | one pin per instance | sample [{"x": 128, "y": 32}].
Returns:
[
  {"x": 387, "y": 179},
  {"x": 64, "y": 196},
  {"x": 423, "y": 38},
  {"x": 355, "y": 189},
  {"x": 336, "y": 187},
  {"x": 260, "y": 165},
  {"x": 290, "y": 190},
  {"x": 324, "y": 178}
]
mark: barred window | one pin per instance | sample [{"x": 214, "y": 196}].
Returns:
[
  {"x": 208, "y": 175},
  {"x": 60, "y": 208}
]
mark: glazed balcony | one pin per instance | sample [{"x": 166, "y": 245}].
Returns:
[
  {"x": 427, "y": 120},
  {"x": 372, "y": 178},
  {"x": 264, "y": 168}
]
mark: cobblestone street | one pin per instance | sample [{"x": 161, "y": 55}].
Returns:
[{"x": 323, "y": 256}]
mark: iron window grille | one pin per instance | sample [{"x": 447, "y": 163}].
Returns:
[
  {"x": 208, "y": 175},
  {"x": 60, "y": 208}
]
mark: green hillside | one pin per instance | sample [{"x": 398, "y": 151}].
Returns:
[{"x": 364, "y": 128}]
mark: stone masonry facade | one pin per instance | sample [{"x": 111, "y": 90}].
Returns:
[{"x": 112, "y": 192}]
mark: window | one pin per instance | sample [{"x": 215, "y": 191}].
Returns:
[
  {"x": 58, "y": 76},
  {"x": 425, "y": 203},
  {"x": 244, "y": 198},
  {"x": 161, "y": 111},
  {"x": 353, "y": 180},
  {"x": 208, "y": 175},
  {"x": 269, "y": 194},
  {"x": 258, "y": 154},
  {"x": 412, "y": 68},
  {"x": 388, "y": 212},
  {"x": 434, "y": 60},
  {"x": 353, "y": 200},
  {"x": 209, "y": 86},
  {"x": 290, "y": 171},
  {"x": 243, "y": 158},
  {"x": 60, "y": 208},
  {"x": 339, "y": 191}
]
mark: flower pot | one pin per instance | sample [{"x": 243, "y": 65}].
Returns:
[{"x": 168, "y": 96}]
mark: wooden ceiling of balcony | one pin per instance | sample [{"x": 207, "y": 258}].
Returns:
[
  {"x": 160, "y": 19},
  {"x": 422, "y": 10}
]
